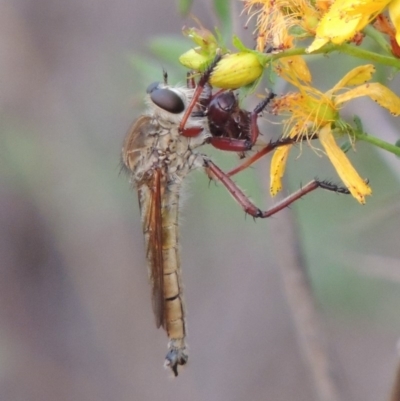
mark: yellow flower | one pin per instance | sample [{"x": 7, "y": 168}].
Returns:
[
  {"x": 347, "y": 17},
  {"x": 315, "y": 113},
  {"x": 275, "y": 20}
]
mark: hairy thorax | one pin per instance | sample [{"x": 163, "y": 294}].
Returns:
[{"x": 159, "y": 145}]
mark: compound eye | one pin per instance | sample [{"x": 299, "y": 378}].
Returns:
[
  {"x": 167, "y": 100},
  {"x": 152, "y": 87}
]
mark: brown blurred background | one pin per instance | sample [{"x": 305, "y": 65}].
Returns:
[{"x": 75, "y": 312}]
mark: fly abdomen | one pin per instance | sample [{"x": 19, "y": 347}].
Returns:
[
  {"x": 175, "y": 327},
  {"x": 174, "y": 314}
]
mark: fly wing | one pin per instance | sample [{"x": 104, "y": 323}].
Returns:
[
  {"x": 150, "y": 195},
  {"x": 137, "y": 146}
]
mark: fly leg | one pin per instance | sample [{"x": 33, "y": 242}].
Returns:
[
  {"x": 269, "y": 148},
  {"x": 196, "y": 96},
  {"x": 248, "y": 206},
  {"x": 252, "y": 159}
]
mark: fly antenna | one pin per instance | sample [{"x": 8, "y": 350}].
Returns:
[{"x": 165, "y": 76}]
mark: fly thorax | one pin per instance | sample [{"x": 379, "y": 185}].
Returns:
[{"x": 178, "y": 157}]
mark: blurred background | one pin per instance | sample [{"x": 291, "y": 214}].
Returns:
[{"x": 75, "y": 312}]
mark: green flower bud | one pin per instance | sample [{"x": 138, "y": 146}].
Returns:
[{"x": 196, "y": 59}]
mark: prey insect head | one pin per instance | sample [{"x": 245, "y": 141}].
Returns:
[
  {"x": 225, "y": 101},
  {"x": 165, "y": 98},
  {"x": 221, "y": 108}
]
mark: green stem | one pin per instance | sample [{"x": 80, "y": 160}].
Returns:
[
  {"x": 351, "y": 50},
  {"x": 368, "y": 55},
  {"x": 377, "y": 142},
  {"x": 378, "y": 38}
]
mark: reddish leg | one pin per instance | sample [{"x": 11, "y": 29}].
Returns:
[
  {"x": 242, "y": 145},
  {"x": 197, "y": 93},
  {"x": 269, "y": 148},
  {"x": 214, "y": 171},
  {"x": 252, "y": 159}
]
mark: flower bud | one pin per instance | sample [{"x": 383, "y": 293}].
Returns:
[
  {"x": 196, "y": 59},
  {"x": 236, "y": 70}
]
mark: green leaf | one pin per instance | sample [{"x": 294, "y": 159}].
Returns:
[
  {"x": 184, "y": 7},
  {"x": 239, "y": 44}
]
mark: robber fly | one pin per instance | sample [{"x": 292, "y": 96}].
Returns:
[{"x": 159, "y": 152}]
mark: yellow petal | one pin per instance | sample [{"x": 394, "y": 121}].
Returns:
[
  {"x": 338, "y": 29},
  {"x": 317, "y": 44},
  {"x": 298, "y": 67},
  {"x": 377, "y": 92},
  {"x": 334, "y": 26},
  {"x": 356, "y": 76},
  {"x": 367, "y": 8},
  {"x": 394, "y": 12},
  {"x": 344, "y": 19},
  {"x": 278, "y": 165},
  {"x": 356, "y": 185}
]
